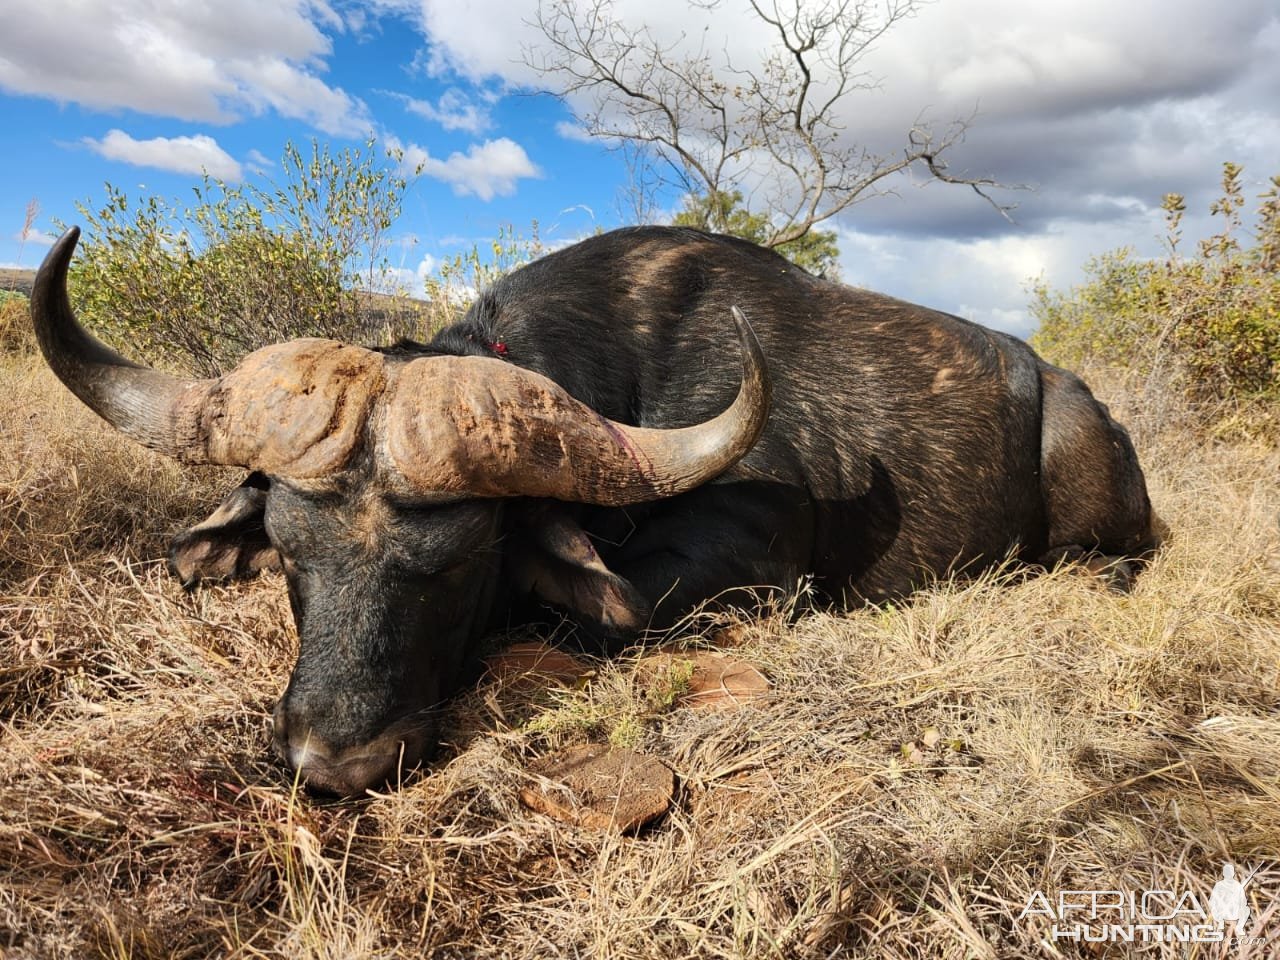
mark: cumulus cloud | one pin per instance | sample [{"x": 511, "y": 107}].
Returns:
[
  {"x": 35, "y": 237},
  {"x": 572, "y": 131},
  {"x": 453, "y": 110},
  {"x": 457, "y": 48},
  {"x": 1091, "y": 91},
  {"x": 486, "y": 170},
  {"x": 297, "y": 93},
  {"x": 199, "y": 62},
  {"x": 195, "y": 155},
  {"x": 1099, "y": 108},
  {"x": 985, "y": 279}
]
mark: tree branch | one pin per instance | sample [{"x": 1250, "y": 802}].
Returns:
[{"x": 713, "y": 126}]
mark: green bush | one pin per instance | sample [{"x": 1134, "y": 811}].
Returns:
[
  {"x": 1211, "y": 319},
  {"x": 725, "y": 212},
  {"x": 197, "y": 287},
  {"x": 459, "y": 278}
]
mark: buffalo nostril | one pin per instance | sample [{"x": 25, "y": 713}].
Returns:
[
  {"x": 344, "y": 776},
  {"x": 350, "y": 770}
]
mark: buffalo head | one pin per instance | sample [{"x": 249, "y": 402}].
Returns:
[{"x": 388, "y": 480}]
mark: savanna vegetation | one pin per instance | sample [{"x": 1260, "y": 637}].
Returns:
[
  {"x": 196, "y": 285},
  {"x": 913, "y": 776},
  {"x": 1208, "y": 321},
  {"x": 725, "y": 212}
]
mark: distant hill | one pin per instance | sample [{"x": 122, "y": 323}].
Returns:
[{"x": 19, "y": 280}]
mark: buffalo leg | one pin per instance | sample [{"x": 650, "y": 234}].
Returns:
[{"x": 719, "y": 543}]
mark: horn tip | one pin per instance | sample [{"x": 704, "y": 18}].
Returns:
[
  {"x": 752, "y": 352},
  {"x": 58, "y": 259},
  {"x": 67, "y": 242}
]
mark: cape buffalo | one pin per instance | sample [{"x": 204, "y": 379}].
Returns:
[{"x": 603, "y": 434}]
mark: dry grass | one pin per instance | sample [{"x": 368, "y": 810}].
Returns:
[{"x": 916, "y": 774}]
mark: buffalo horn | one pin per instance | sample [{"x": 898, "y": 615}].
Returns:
[
  {"x": 296, "y": 409},
  {"x": 471, "y": 426},
  {"x": 137, "y": 401},
  {"x": 480, "y": 426}
]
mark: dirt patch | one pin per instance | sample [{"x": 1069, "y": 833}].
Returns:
[
  {"x": 601, "y": 788},
  {"x": 534, "y": 662}
]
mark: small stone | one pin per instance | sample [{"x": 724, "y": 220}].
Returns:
[
  {"x": 523, "y": 660},
  {"x": 601, "y": 788},
  {"x": 715, "y": 680}
]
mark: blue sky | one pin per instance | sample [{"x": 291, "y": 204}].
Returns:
[
  {"x": 59, "y": 149},
  {"x": 1101, "y": 108}
]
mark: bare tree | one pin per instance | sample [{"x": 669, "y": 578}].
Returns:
[{"x": 708, "y": 125}]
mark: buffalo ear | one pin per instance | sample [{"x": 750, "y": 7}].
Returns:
[
  {"x": 231, "y": 543},
  {"x": 556, "y": 560}
]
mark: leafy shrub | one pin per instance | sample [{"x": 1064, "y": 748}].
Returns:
[
  {"x": 459, "y": 279},
  {"x": 198, "y": 287},
  {"x": 725, "y": 212},
  {"x": 1211, "y": 319}
]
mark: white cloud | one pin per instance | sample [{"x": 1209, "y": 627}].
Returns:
[
  {"x": 36, "y": 238},
  {"x": 485, "y": 170},
  {"x": 1088, "y": 93},
  {"x": 497, "y": 50},
  {"x": 986, "y": 279},
  {"x": 198, "y": 62},
  {"x": 453, "y": 110},
  {"x": 1101, "y": 107},
  {"x": 196, "y": 155},
  {"x": 259, "y": 163},
  {"x": 1011, "y": 58},
  {"x": 573, "y": 131},
  {"x": 294, "y": 92},
  {"x": 409, "y": 281}
]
